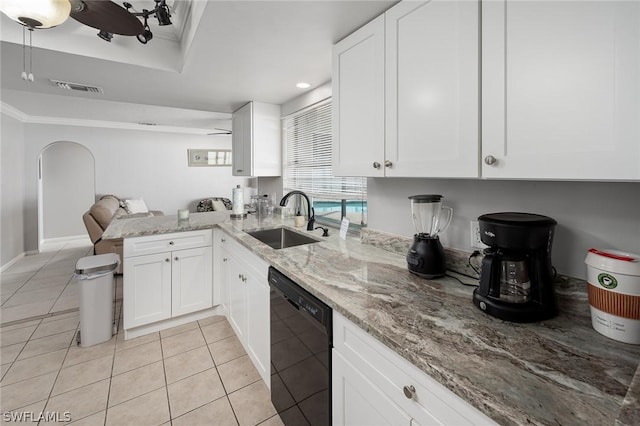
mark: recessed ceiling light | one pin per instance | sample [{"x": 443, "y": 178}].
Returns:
[{"x": 303, "y": 85}]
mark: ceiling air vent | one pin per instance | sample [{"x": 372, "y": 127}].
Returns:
[{"x": 77, "y": 86}]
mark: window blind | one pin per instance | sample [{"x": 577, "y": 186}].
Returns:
[{"x": 307, "y": 155}]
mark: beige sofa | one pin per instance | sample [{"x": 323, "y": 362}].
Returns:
[{"x": 99, "y": 217}]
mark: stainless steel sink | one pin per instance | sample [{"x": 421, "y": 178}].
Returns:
[{"x": 280, "y": 238}]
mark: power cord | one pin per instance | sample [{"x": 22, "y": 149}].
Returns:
[
  {"x": 473, "y": 255},
  {"x": 460, "y": 281}
]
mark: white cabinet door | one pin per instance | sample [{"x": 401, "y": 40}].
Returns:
[
  {"x": 192, "y": 284},
  {"x": 237, "y": 309},
  {"x": 560, "y": 89},
  {"x": 358, "y": 102},
  {"x": 258, "y": 324},
  {"x": 147, "y": 289},
  {"x": 432, "y": 89},
  {"x": 256, "y": 141},
  {"x": 357, "y": 401},
  {"x": 242, "y": 134}
]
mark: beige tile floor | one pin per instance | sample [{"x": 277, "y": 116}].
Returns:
[{"x": 195, "y": 374}]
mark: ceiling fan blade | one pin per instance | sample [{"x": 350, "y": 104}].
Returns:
[
  {"x": 223, "y": 132},
  {"x": 106, "y": 15}
]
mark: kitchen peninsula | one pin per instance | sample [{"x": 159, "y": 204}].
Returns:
[{"x": 554, "y": 372}]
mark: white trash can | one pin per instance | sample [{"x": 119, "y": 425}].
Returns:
[{"x": 95, "y": 275}]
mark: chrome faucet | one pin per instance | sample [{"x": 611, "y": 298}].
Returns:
[{"x": 310, "y": 211}]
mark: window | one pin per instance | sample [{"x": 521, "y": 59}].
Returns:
[{"x": 307, "y": 168}]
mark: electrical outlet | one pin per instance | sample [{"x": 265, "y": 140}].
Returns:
[{"x": 475, "y": 240}]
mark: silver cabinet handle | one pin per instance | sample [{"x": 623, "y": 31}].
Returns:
[
  {"x": 376, "y": 165},
  {"x": 170, "y": 243},
  {"x": 388, "y": 163},
  {"x": 167, "y": 260},
  {"x": 490, "y": 160},
  {"x": 409, "y": 391},
  {"x": 176, "y": 258}
]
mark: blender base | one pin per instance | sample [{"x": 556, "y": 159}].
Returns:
[{"x": 426, "y": 257}]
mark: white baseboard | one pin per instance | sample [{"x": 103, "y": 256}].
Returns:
[
  {"x": 66, "y": 239},
  {"x": 12, "y": 261}
]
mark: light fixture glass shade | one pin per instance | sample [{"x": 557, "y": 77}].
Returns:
[{"x": 37, "y": 13}]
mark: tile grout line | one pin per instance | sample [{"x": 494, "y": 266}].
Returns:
[
  {"x": 226, "y": 394},
  {"x": 164, "y": 370},
  {"x": 46, "y": 404}
]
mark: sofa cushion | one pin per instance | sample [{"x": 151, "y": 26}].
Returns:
[
  {"x": 136, "y": 206},
  {"x": 103, "y": 211}
]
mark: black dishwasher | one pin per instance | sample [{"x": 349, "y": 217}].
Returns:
[{"x": 301, "y": 342}]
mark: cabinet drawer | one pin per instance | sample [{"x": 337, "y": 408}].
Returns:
[
  {"x": 432, "y": 403},
  {"x": 245, "y": 255},
  {"x": 151, "y": 244}
]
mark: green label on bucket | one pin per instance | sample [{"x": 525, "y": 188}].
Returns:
[{"x": 607, "y": 281}]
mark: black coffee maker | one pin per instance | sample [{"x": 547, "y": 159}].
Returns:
[
  {"x": 516, "y": 281},
  {"x": 426, "y": 257}
]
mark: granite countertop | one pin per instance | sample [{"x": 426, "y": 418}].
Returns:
[{"x": 559, "y": 371}]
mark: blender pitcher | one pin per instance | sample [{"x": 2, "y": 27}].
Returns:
[
  {"x": 426, "y": 257},
  {"x": 427, "y": 213}
]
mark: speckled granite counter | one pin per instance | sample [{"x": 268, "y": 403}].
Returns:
[{"x": 554, "y": 372}]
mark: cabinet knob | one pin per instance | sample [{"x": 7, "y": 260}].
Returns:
[
  {"x": 490, "y": 160},
  {"x": 222, "y": 240},
  {"x": 409, "y": 391},
  {"x": 167, "y": 260},
  {"x": 388, "y": 163},
  {"x": 376, "y": 165},
  {"x": 239, "y": 276},
  {"x": 224, "y": 259},
  {"x": 170, "y": 243},
  {"x": 239, "y": 170},
  {"x": 176, "y": 258}
]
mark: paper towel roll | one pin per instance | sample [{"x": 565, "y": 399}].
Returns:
[{"x": 238, "y": 201}]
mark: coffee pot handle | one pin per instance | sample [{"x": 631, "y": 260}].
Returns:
[
  {"x": 449, "y": 217},
  {"x": 486, "y": 274}
]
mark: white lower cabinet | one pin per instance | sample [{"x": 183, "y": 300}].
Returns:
[
  {"x": 247, "y": 292},
  {"x": 166, "y": 276},
  {"x": 372, "y": 385},
  {"x": 357, "y": 401}
]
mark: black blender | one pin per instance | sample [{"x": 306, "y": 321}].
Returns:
[{"x": 426, "y": 257}]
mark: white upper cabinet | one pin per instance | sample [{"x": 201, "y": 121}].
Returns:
[
  {"x": 431, "y": 84},
  {"x": 358, "y": 102},
  {"x": 405, "y": 93},
  {"x": 561, "y": 90},
  {"x": 256, "y": 140}
]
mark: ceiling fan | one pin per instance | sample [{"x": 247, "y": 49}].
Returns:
[{"x": 106, "y": 16}]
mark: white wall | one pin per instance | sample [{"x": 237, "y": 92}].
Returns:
[
  {"x": 11, "y": 189},
  {"x": 589, "y": 214},
  {"x": 132, "y": 164}
]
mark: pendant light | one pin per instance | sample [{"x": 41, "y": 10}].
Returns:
[{"x": 37, "y": 13}]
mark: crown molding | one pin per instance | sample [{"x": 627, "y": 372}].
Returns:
[
  {"x": 13, "y": 112},
  {"x": 78, "y": 122}
]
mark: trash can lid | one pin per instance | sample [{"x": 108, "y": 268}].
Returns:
[{"x": 98, "y": 263}]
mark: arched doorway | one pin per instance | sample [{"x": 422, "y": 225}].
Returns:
[{"x": 66, "y": 189}]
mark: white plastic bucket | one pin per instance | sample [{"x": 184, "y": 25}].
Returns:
[{"x": 614, "y": 293}]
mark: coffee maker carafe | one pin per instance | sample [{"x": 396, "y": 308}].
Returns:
[
  {"x": 516, "y": 281},
  {"x": 426, "y": 257}
]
